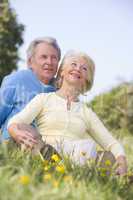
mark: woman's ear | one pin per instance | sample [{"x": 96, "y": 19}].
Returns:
[
  {"x": 59, "y": 78},
  {"x": 62, "y": 73}
]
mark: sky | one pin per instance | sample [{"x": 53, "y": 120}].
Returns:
[{"x": 103, "y": 29}]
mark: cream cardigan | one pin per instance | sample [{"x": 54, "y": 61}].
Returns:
[{"x": 55, "y": 122}]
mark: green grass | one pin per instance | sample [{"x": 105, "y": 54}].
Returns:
[{"x": 25, "y": 177}]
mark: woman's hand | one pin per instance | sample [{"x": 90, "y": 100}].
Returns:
[
  {"x": 22, "y": 136},
  {"x": 122, "y": 165}
]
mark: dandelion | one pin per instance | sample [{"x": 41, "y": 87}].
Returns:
[
  {"x": 102, "y": 169},
  {"x": 24, "y": 180},
  {"x": 55, "y": 183},
  {"x": 47, "y": 177},
  {"x": 55, "y": 158},
  {"x": 129, "y": 173},
  {"x": 68, "y": 179},
  {"x": 60, "y": 168},
  {"x": 46, "y": 168},
  {"x": 108, "y": 163},
  {"x": 45, "y": 162},
  {"x": 83, "y": 153},
  {"x": 102, "y": 174},
  {"x": 6, "y": 141}
]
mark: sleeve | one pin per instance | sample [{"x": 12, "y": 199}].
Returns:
[
  {"x": 30, "y": 112},
  {"x": 101, "y": 135},
  {"x": 7, "y": 97}
]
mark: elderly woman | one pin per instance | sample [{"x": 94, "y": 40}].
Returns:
[{"x": 63, "y": 121}]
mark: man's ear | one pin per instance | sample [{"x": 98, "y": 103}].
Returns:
[{"x": 29, "y": 61}]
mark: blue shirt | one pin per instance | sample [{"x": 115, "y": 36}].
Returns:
[{"x": 16, "y": 91}]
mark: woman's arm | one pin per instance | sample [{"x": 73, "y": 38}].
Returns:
[
  {"x": 26, "y": 116},
  {"x": 104, "y": 138}
]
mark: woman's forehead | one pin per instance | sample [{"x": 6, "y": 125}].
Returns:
[{"x": 76, "y": 59}]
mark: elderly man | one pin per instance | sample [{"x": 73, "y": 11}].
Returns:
[{"x": 20, "y": 87}]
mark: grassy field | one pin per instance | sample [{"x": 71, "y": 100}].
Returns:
[{"x": 25, "y": 177}]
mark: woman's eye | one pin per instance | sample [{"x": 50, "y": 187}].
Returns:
[
  {"x": 84, "y": 68},
  {"x": 74, "y": 64}
]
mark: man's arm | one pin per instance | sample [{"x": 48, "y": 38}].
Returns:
[{"x": 7, "y": 96}]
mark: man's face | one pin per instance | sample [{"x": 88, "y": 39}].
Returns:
[{"x": 44, "y": 62}]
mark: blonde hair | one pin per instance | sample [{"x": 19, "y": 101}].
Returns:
[{"x": 91, "y": 67}]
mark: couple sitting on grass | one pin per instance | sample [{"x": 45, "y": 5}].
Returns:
[{"x": 63, "y": 121}]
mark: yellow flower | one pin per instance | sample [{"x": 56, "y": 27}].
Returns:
[
  {"x": 6, "y": 141},
  {"x": 55, "y": 158},
  {"x": 47, "y": 177},
  {"x": 107, "y": 162},
  {"x": 45, "y": 162},
  {"x": 60, "y": 168},
  {"x": 24, "y": 180},
  {"x": 55, "y": 183},
  {"x": 68, "y": 179},
  {"x": 102, "y": 174},
  {"x": 130, "y": 173},
  {"x": 102, "y": 169},
  {"x": 83, "y": 153},
  {"x": 46, "y": 168}
]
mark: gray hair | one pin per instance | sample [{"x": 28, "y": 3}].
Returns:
[
  {"x": 91, "y": 67},
  {"x": 49, "y": 40}
]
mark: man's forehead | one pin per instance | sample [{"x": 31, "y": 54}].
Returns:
[
  {"x": 45, "y": 47},
  {"x": 44, "y": 44}
]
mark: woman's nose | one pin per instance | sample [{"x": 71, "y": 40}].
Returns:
[{"x": 78, "y": 67}]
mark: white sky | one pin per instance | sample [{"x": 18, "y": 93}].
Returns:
[{"x": 101, "y": 28}]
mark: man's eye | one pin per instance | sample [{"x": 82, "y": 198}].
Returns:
[
  {"x": 54, "y": 57},
  {"x": 44, "y": 56}
]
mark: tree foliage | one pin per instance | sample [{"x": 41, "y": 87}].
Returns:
[
  {"x": 10, "y": 38},
  {"x": 115, "y": 108}
]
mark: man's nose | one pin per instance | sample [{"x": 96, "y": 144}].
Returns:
[{"x": 49, "y": 60}]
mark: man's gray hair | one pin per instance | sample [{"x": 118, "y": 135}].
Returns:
[{"x": 49, "y": 40}]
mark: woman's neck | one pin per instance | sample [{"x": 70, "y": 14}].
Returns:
[{"x": 70, "y": 93}]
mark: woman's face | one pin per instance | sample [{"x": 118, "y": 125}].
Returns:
[{"x": 75, "y": 71}]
